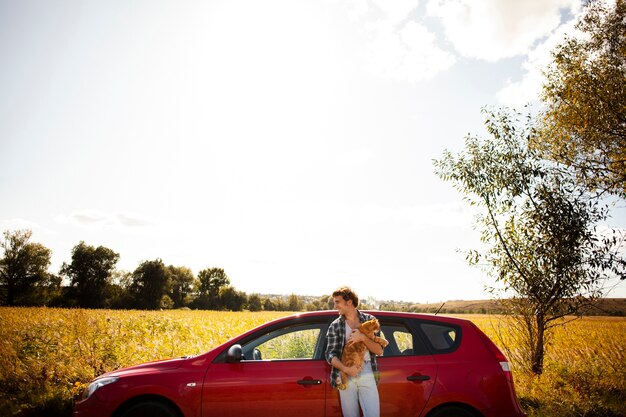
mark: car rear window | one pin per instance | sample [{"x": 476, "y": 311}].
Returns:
[{"x": 441, "y": 337}]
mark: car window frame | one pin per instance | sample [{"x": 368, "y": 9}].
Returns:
[
  {"x": 320, "y": 345},
  {"x": 416, "y": 323},
  {"x": 281, "y": 331},
  {"x": 406, "y": 323}
]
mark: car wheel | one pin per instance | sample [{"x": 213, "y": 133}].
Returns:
[
  {"x": 150, "y": 409},
  {"x": 451, "y": 411}
]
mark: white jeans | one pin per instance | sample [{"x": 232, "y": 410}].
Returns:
[{"x": 361, "y": 390}]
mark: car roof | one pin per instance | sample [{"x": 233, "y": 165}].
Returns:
[{"x": 379, "y": 313}]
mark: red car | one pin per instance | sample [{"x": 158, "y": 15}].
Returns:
[{"x": 434, "y": 366}]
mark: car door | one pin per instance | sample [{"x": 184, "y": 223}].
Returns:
[
  {"x": 407, "y": 373},
  {"x": 282, "y": 373}
]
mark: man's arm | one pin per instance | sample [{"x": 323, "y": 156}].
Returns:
[
  {"x": 350, "y": 370},
  {"x": 333, "y": 347},
  {"x": 372, "y": 346}
]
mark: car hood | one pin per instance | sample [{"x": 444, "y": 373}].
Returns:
[{"x": 148, "y": 367}]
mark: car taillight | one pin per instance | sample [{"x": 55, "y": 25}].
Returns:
[{"x": 507, "y": 371}]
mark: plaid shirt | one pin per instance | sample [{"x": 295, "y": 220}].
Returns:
[{"x": 336, "y": 339}]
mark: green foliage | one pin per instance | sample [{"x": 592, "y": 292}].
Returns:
[
  {"x": 210, "y": 283},
  {"x": 182, "y": 285},
  {"x": 294, "y": 303},
  {"x": 538, "y": 224},
  {"x": 90, "y": 273},
  {"x": 24, "y": 268},
  {"x": 255, "y": 303},
  {"x": 232, "y": 300},
  {"x": 211, "y": 280},
  {"x": 151, "y": 282},
  {"x": 95, "y": 283},
  {"x": 324, "y": 302}
]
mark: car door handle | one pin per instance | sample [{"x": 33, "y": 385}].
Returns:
[
  {"x": 309, "y": 382},
  {"x": 418, "y": 378}
]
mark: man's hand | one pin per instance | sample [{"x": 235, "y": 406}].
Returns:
[
  {"x": 353, "y": 370},
  {"x": 356, "y": 337}
]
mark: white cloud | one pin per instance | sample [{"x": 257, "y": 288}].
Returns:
[
  {"x": 399, "y": 47},
  {"x": 497, "y": 29},
  {"x": 397, "y": 10},
  {"x": 517, "y": 93},
  {"x": 407, "y": 53},
  {"x": 99, "y": 219}
]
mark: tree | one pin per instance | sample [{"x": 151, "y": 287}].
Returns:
[
  {"x": 182, "y": 283},
  {"x": 151, "y": 282},
  {"x": 231, "y": 299},
  {"x": 584, "y": 125},
  {"x": 23, "y": 266},
  {"x": 255, "y": 303},
  {"x": 269, "y": 304},
  {"x": 90, "y": 273},
  {"x": 119, "y": 290},
  {"x": 294, "y": 303},
  {"x": 325, "y": 302},
  {"x": 538, "y": 225},
  {"x": 210, "y": 281}
]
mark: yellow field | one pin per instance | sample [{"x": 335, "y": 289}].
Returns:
[{"x": 47, "y": 355}]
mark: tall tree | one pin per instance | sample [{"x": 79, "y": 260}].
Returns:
[
  {"x": 231, "y": 299},
  {"x": 90, "y": 273},
  {"x": 255, "y": 303},
  {"x": 295, "y": 304},
  {"x": 210, "y": 282},
  {"x": 182, "y": 284},
  {"x": 24, "y": 265},
  {"x": 151, "y": 282},
  {"x": 538, "y": 225},
  {"x": 584, "y": 125}
]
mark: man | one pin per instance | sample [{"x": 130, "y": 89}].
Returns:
[{"x": 361, "y": 389}]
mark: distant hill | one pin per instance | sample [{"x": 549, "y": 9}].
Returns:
[{"x": 602, "y": 307}]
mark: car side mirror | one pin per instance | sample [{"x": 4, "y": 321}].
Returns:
[{"x": 234, "y": 354}]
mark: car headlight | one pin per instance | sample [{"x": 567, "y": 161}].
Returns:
[{"x": 98, "y": 383}]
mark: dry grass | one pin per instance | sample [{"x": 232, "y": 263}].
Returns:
[
  {"x": 48, "y": 355},
  {"x": 584, "y": 367}
]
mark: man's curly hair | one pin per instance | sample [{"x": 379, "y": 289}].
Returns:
[{"x": 347, "y": 293}]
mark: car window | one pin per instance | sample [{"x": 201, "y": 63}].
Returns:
[
  {"x": 442, "y": 337},
  {"x": 400, "y": 339},
  {"x": 290, "y": 343}
]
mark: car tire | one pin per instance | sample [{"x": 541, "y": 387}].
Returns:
[
  {"x": 452, "y": 411},
  {"x": 150, "y": 409}
]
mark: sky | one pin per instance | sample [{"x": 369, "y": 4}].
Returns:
[{"x": 288, "y": 142}]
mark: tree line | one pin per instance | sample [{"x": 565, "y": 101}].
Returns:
[{"x": 90, "y": 280}]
